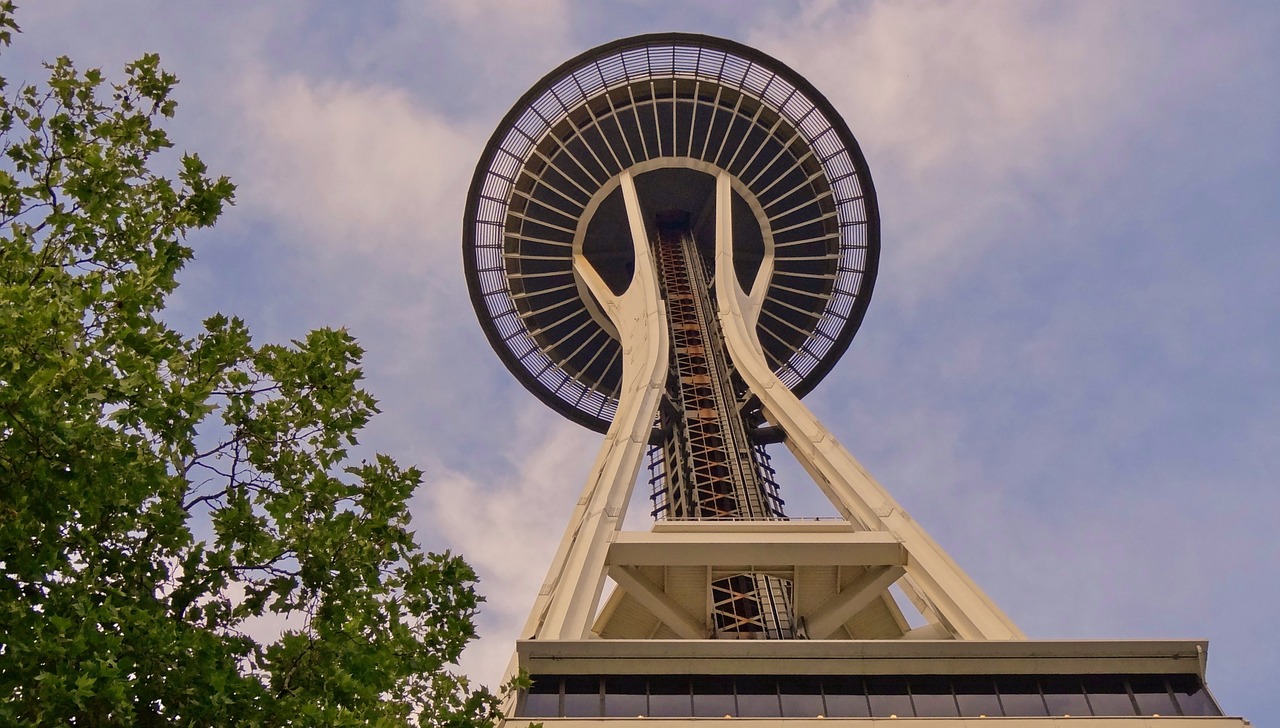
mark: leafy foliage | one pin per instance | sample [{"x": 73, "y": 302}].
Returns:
[{"x": 163, "y": 498}]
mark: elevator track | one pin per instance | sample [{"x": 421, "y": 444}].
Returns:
[{"x": 711, "y": 468}]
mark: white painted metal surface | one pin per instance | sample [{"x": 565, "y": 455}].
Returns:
[
  {"x": 962, "y": 607},
  {"x": 891, "y": 544},
  {"x": 567, "y": 602}
]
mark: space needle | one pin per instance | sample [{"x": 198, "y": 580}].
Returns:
[{"x": 671, "y": 239}]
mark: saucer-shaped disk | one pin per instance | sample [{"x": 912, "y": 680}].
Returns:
[{"x": 673, "y": 109}]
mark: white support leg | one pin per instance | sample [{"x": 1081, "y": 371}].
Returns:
[
  {"x": 960, "y": 604},
  {"x": 567, "y": 602}
]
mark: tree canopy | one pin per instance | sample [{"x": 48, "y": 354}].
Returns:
[{"x": 165, "y": 497}]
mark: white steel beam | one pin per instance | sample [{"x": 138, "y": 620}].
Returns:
[
  {"x": 569, "y": 596},
  {"x": 960, "y": 604},
  {"x": 931, "y": 631},
  {"x": 656, "y": 600},
  {"x": 827, "y": 617},
  {"x": 759, "y": 549}
]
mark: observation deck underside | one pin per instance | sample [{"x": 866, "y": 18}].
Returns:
[{"x": 673, "y": 110}]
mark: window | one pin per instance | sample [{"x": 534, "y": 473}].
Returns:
[
  {"x": 543, "y": 698},
  {"x": 582, "y": 696},
  {"x": 932, "y": 697},
  {"x": 625, "y": 696},
  {"x": 1151, "y": 693},
  {"x": 846, "y": 697},
  {"x": 669, "y": 696},
  {"x": 889, "y": 696},
  {"x": 976, "y": 696},
  {"x": 1192, "y": 697},
  {"x": 758, "y": 696},
  {"x": 1020, "y": 695},
  {"x": 713, "y": 696},
  {"x": 801, "y": 696},
  {"x": 1108, "y": 696},
  {"x": 1064, "y": 695},
  {"x": 854, "y": 696}
]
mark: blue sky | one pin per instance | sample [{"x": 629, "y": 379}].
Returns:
[{"x": 1068, "y": 372}]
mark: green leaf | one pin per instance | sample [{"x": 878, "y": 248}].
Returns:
[{"x": 124, "y": 438}]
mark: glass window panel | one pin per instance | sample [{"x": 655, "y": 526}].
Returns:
[
  {"x": 545, "y": 684},
  {"x": 1197, "y": 703},
  {"x": 1020, "y": 696},
  {"x": 669, "y": 696},
  {"x": 1152, "y": 695},
  {"x": 1108, "y": 695},
  {"x": 758, "y": 706},
  {"x": 624, "y": 696},
  {"x": 888, "y": 696},
  {"x": 974, "y": 706},
  {"x": 716, "y": 705},
  {"x": 582, "y": 685},
  {"x": 932, "y": 697},
  {"x": 758, "y": 697},
  {"x": 976, "y": 696},
  {"x": 801, "y": 696},
  {"x": 713, "y": 696},
  {"x": 846, "y": 697},
  {"x": 802, "y": 706},
  {"x": 543, "y": 698},
  {"x": 542, "y": 704},
  {"x": 662, "y": 705},
  {"x": 1192, "y": 697},
  {"x": 1064, "y": 695},
  {"x": 581, "y": 696}
]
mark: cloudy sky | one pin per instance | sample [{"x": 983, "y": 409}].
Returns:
[{"x": 1069, "y": 370}]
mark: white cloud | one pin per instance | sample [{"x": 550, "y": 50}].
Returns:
[
  {"x": 356, "y": 169},
  {"x": 971, "y": 112},
  {"x": 509, "y": 530},
  {"x": 504, "y": 35}
]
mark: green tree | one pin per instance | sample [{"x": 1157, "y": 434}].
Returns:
[{"x": 160, "y": 494}]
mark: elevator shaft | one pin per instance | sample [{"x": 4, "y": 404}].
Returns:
[{"x": 712, "y": 469}]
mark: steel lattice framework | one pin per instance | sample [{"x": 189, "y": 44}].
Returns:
[{"x": 640, "y": 104}]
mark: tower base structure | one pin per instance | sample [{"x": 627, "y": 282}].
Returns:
[{"x": 811, "y": 683}]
